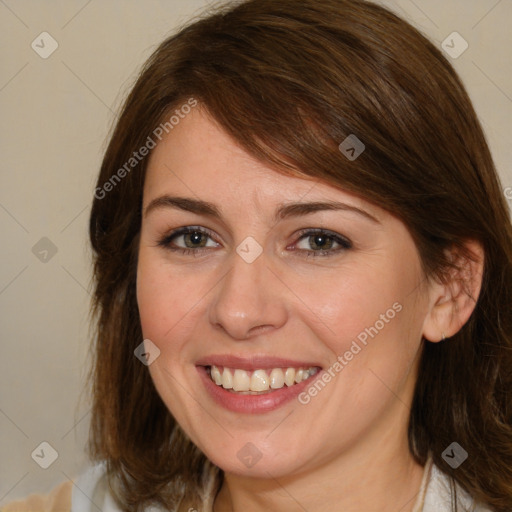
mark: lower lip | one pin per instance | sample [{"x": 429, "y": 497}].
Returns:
[{"x": 252, "y": 404}]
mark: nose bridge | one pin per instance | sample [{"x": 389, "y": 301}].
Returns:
[{"x": 248, "y": 297}]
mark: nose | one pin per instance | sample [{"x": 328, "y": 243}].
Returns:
[{"x": 249, "y": 300}]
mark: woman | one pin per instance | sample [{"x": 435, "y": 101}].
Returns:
[{"x": 303, "y": 264}]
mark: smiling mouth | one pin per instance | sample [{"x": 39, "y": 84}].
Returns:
[{"x": 258, "y": 382}]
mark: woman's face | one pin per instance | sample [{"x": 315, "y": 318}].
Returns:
[{"x": 277, "y": 274}]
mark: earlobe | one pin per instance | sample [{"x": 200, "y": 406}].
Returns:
[{"x": 453, "y": 301}]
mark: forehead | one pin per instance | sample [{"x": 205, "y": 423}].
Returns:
[
  {"x": 197, "y": 158},
  {"x": 198, "y": 147}
]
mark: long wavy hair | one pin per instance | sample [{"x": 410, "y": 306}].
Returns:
[{"x": 289, "y": 80}]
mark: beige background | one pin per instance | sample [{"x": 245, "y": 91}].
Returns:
[{"x": 55, "y": 118}]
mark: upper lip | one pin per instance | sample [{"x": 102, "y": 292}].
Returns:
[{"x": 251, "y": 363}]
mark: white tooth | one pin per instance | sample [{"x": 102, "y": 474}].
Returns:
[
  {"x": 289, "y": 376},
  {"x": 241, "y": 381},
  {"x": 259, "y": 381},
  {"x": 227, "y": 379},
  {"x": 276, "y": 378},
  {"x": 216, "y": 375}
]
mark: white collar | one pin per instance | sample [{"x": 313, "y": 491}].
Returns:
[{"x": 90, "y": 492}]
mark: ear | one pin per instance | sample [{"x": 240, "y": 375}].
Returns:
[{"x": 452, "y": 301}]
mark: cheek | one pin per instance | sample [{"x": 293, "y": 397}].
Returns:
[
  {"x": 371, "y": 315},
  {"x": 371, "y": 324},
  {"x": 160, "y": 298},
  {"x": 344, "y": 303},
  {"x": 150, "y": 299},
  {"x": 166, "y": 315},
  {"x": 171, "y": 301}
]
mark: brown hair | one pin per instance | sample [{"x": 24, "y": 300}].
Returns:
[{"x": 289, "y": 81}]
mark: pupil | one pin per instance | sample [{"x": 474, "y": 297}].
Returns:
[
  {"x": 195, "y": 238},
  {"x": 320, "y": 241}
]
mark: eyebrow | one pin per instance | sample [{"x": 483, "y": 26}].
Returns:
[{"x": 285, "y": 211}]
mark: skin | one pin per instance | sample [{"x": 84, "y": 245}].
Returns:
[{"x": 347, "y": 448}]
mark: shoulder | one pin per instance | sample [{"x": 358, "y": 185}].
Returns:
[
  {"x": 89, "y": 492},
  {"x": 439, "y": 493},
  {"x": 78, "y": 495},
  {"x": 57, "y": 500}
]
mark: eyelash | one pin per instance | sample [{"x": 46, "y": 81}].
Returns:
[{"x": 342, "y": 241}]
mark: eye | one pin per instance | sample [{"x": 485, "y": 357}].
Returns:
[
  {"x": 311, "y": 242},
  {"x": 188, "y": 240},
  {"x": 321, "y": 242}
]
